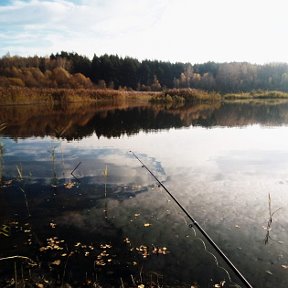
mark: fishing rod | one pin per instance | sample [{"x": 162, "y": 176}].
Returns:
[{"x": 195, "y": 223}]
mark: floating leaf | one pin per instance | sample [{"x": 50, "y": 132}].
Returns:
[
  {"x": 137, "y": 215},
  {"x": 105, "y": 246},
  {"x": 52, "y": 225},
  {"x": 56, "y": 262},
  {"x": 69, "y": 185},
  {"x": 7, "y": 183},
  {"x": 147, "y": 225},
  {"x": 284, "y": 266},
  {"x": 127, "y": 241}
]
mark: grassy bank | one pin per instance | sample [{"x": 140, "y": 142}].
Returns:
[
  {"x": 185, "y": 96},
  {"x": 51, "y": 96},
  {"x": 257, "y": 94}
]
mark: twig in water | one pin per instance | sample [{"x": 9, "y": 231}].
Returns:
[
  {"x": 105, "y": 173},
  {"x": 1, "y": 162},
  {"x": 133, "y": 281},
  {"x": 15, "y": 274},
  {"x": 64, "y": 272},
  {"x": 3, "y": 126},
  {"x": 269, "y": 224},
  {"x": 20, "y": 172},
  {"x": 26, "y": 201},
  {"x": 74, "y": 171},
  {"x": 29, "y": 260},
  {"x": 75, "y": 168},
  {"x": 141, "y": 279},
  {"x": 122, "y": 283}
]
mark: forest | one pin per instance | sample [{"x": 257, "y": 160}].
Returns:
[{"x": 71, "y": 70}]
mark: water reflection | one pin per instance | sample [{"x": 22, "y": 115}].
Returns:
[
  {"x": 77, "y": 122},
  {"x": 115, "y": 220},
  {"x": 222, "y": 175}
]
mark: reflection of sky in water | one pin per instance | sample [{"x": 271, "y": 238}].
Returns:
[{"x": 221, "y": 175}]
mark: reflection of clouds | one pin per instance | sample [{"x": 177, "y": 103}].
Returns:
[
  {"x": 253, "y": 162},
  {"x": 35, "y": 156}
]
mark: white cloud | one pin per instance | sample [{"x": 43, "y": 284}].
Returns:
[{"x": 175, "y": 30}]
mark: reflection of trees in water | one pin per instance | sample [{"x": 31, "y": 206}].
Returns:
[{"x": 113, "y": 121}]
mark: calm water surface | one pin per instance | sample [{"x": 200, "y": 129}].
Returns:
[{"x": 109, "y": 220}]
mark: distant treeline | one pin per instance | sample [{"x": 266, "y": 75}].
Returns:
[{"x": 71, "y": 70}]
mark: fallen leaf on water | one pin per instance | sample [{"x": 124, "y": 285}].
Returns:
[
  {"x": 104, "y": 246},
  {"x": 137, "y": 214},
  {"x": 147, "y": 225},
  {"x": 284, "y": 266},
  {"x": 52, "y": 225},
  {"x": 56, "y": 262},
  {"x": 69, "y": 185},
  {"x": 127, "y": 241},
  {"x": 236, "y": 226},
  {"x": 7, "y": 183}
]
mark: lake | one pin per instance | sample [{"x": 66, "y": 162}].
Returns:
[{"x": 82, "y": 209}]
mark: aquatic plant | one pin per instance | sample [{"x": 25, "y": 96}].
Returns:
[{"x": 270, "y": 220}]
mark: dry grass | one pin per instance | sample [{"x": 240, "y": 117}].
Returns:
[
  {"x": 16, "y": 95},
  {"x": 258, "y": 94},
  {"x": 185, "y": 96}
]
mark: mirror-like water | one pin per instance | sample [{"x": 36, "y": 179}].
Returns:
[{"x": 108, "y": 222}]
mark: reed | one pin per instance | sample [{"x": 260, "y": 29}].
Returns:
[
  {"x": 56, "y": 96},
  {"x": 1, "y": 163},
  {"x": 270, "y": 220},
  {"x": 185, "y": 96},
  {"x": 257, "y": 94}
]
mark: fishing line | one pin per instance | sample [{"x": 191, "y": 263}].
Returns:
[
  {"x": 195, "y": 223},
  {"x": 199, "y": 239}
]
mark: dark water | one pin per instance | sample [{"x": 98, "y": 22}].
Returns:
[{"x": 109, "y": 223}]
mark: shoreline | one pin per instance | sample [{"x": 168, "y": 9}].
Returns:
[{"x": 62, "y": 96}]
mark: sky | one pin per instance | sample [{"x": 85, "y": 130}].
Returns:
[{"x": 194, "y": 31}]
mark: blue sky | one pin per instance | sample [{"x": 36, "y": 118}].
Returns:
[{"x": 193, "y": 31}]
